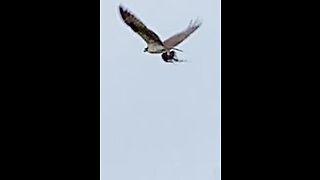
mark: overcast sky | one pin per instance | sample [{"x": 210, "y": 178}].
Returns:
[{"x": 160, "y": 121}]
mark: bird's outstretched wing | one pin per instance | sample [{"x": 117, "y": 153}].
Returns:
[
  {"x": 137, "y": 26},
  {"x": 178, "y": 38}
]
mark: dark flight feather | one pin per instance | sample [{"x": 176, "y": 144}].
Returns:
[{"x": 137, "y": 26}]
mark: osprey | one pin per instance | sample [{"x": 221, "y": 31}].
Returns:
[{"x": 154, "y": 44}]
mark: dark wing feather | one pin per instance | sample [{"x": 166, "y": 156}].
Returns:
[
  {"x": 178, "y": 38},
  {"x": 138, "y": 27}
]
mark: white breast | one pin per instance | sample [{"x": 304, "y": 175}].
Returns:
[{"x": 155, "y": 48}]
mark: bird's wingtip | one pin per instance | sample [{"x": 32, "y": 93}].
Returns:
[
  {"x": 197, "y": 22},
  {"x": 121, "y": 8}
]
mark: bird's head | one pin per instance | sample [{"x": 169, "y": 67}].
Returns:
[{"x": 145, "y": 49}]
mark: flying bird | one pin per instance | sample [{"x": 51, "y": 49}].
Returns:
[{"x": 154, "y": 44}]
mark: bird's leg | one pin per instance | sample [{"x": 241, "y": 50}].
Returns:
[
  {"x": 179, "y": 60},
  {"x": 169, "y": 61},
  {"x": 174, "y": 57},
  {"x": 173, "y": 62}
]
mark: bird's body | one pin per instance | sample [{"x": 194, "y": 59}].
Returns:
[
  {"x": 154, "y": 43},
  {"x": 155, "y": 48}
]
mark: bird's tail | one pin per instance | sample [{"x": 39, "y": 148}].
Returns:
[
  {"x": 177, "y": 49},
  {"x": 169, "y": 48}
]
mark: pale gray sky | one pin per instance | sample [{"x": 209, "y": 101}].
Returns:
[{"x": 160, "y": 121}]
